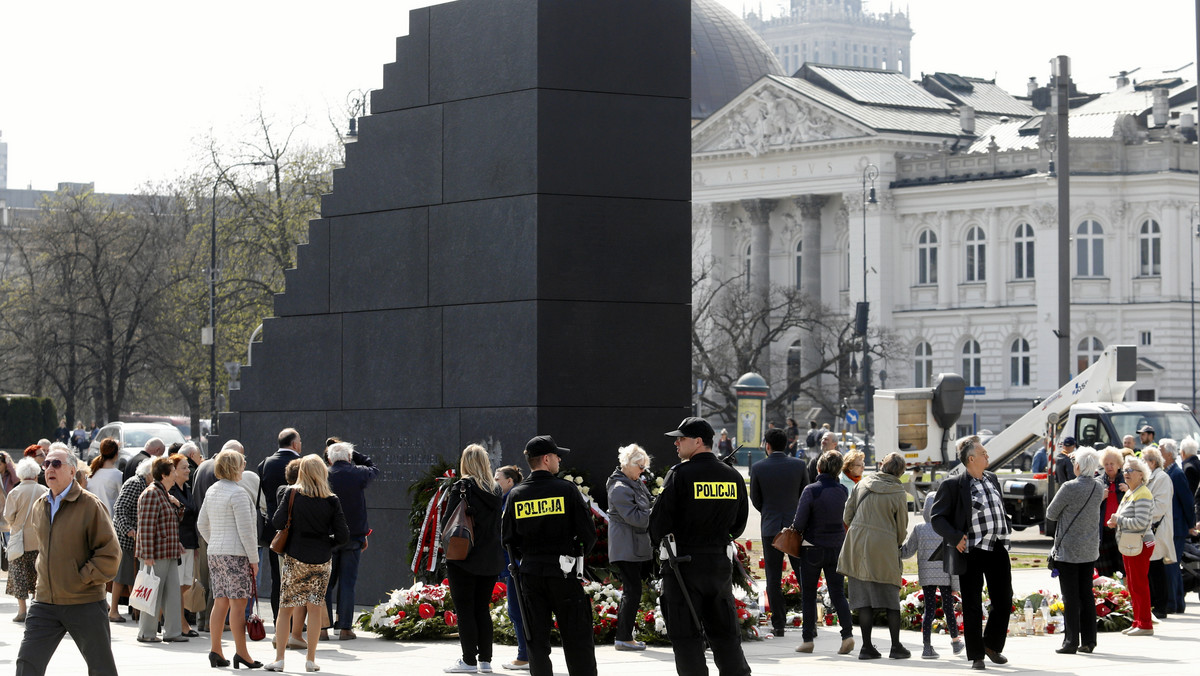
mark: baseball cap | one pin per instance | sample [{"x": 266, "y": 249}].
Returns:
[
  {"x": 544, "y": 445},
  {"x": 1069, "y": 441},
  {"x": 1146, "y": 428},
  {"x": 693, "y": 428}
]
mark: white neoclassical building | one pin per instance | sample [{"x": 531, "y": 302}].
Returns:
[{"x": 961, "y": 247}]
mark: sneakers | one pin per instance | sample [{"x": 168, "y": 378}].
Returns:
[
  {"x": 460, "y": 667},
  {"x": 518, "y": 665},
  {"x": 1141, "y": 632},
  {"x": 928, "y": 653},
  {"x": 806, "y": 647},
  {"x": 485, "y": 667},
  {"x": 629, "y": 645},
  {"x": 899, "y": 652},
  {"x": 957, "y": 646}
]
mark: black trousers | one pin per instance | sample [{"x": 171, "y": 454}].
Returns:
[
  {"x": 276, "y": 571},
  {"x": 1158, "y": 587},
  {"x": 995, "y": 568},
  {"x": 45, "y": 626},
  {"x": 547, "y": 595},
  {"x": 1079, "y": 605},
  {"x": 472, "y": 596},
  {"x": 709, "y": 580},
  {"x": 773, "y": 558},
  {"x": 631, "y": 574}
]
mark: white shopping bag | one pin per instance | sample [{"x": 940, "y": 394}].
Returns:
[{"x": 144, "y": 596}]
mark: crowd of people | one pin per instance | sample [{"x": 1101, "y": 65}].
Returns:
[
  {"x": 203, "y": 526},
  {"x": 196, "y": 525}
]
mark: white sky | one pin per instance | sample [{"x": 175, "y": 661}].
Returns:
[{"x": 123, "y": 92}]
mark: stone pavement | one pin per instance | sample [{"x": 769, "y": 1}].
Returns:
[{"x": 1173, "y": 646}]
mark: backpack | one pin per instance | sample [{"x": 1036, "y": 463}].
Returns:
[{"x": 458, "y": 537}]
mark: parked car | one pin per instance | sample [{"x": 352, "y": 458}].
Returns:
[{"x": 132, "y": 436}]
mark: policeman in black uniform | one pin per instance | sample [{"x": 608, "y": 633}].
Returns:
[
  {"x": 703, "y": 504},
  {"x": 547, "y": 520}
]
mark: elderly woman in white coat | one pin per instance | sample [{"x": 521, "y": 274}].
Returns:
[
  {"x": 629, "y": 537},
  {"x": 228, "y": 522},
  {"x": 1164, "y": 529}
]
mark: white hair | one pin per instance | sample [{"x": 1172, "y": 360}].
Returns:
[
  {"x": 1087, "y": 460},
  {"x": 143, "y": 468},
  {"x": 632, "y": 455},
  {"x": 342, "y": 451},
  {"x": 1153, "y": 456},
  {"x": 234, "y": 444},
  {"x": 1167, "y": 447},
  {"x": 1189, "y": 446},
  {"x": 60, "y": 446},
  {"x": 28, "y": 468},
  {"x": 188, "y": 447}
]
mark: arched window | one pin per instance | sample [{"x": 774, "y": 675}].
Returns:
[
  {"x": 1089, "y": 247},
  {"x": 1088, "y": 352},
  {"x": 975, "y": 255},
  {"x": 972, "y": 364},
  {"x": 927, "y": 255},
  {"x": 1150, "y": 249},
  {"x": 1019, "y": 363},
  {"x": 799, "y": 270},
  {"x": 923, "y": 365},
  {"x": 1023, "y": 248},
  {"x": 746, "y": 266}
]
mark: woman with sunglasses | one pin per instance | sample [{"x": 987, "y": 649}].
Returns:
[{"x": 1133, "y": 516}]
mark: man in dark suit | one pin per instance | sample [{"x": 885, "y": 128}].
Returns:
[
  {"x": 968, "y": 512},
  {"x": 271, "y": 473},
  {"x": 775, "y": 486},
  {"x": 154, "y": 448},
  {"x": 350, "y": 472}
]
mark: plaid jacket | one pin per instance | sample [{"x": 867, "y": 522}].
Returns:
[
  {"x": 157, "y": 525},
  {"x": 125, "y": 510}
]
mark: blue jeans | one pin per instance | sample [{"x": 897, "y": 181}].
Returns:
[
  {"x": 514, "y": 614},
  {"x": 813, "y": 560},
  {"x": 344, "y": 576}
]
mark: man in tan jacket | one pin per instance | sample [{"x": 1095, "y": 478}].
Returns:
[{"x": 79, "y": 554}]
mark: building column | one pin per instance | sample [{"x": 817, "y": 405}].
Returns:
[
  {"x": 759, "y": 213},
  {"x": 809, "y": 207},
  {"x": 993, "y": 274},
  {"x": 947, "y": 287}
]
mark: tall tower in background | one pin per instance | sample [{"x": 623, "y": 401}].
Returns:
[{"x": 837, "y": 33}]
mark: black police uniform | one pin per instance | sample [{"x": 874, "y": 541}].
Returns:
[
  {"x": 547, "y": 517},
  {"x": 703, "y": 502}
]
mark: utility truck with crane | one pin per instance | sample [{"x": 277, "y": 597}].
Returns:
[{"x": 920, "y": 423}]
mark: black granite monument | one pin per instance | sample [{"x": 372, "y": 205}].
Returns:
[{"x": 506, "y": 253}]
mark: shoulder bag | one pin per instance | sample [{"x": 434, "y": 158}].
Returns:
[
  {"x": 787, "y": 541},
  {"x": 1051, "y": 562},
  {"x": 459, "y": 534},
  {"x": 16, "y": 540},
  {"x": 279, "y": 542}
]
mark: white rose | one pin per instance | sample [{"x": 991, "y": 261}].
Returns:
[
  {"x": 578, "y": 481},
  {"x": 586, "y": 491}
]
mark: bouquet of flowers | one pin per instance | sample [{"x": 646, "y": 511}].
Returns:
[
  {"x": 1114, "y": 610},
  {"x": 420, "y": 612}
]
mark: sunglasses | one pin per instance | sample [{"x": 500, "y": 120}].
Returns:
[{"x": 55, "y": 463}]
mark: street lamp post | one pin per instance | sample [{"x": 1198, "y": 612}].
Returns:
[
  {"x": 209, "y": 334},
  {"x": 1193, "y": 233},
  {"x": 870, "y": 173}
]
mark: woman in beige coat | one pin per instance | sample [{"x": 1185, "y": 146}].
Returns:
[
  {"x": 876, "y": 518},
  {"x": 1164, "y": 543},
  {"x": 22, "y": 576}
]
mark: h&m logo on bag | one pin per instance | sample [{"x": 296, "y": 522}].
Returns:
[
  {"x": 714, "y": 490},
  {"x": 540, "y": 507},
  {"x": 143, "y": 593}
]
